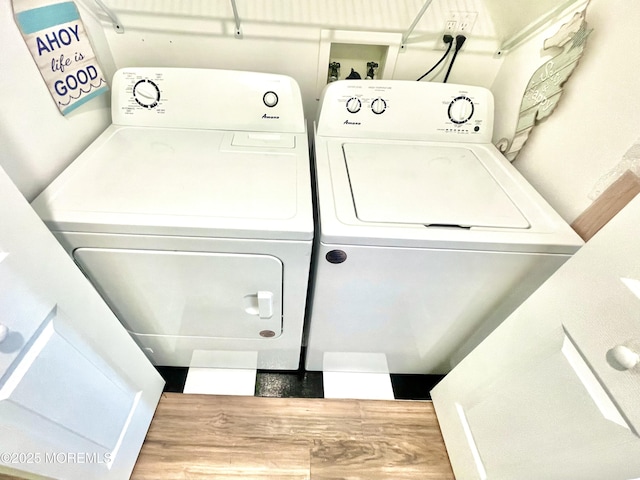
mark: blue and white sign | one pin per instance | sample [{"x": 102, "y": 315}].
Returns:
[{"x": 60, "y": 47}]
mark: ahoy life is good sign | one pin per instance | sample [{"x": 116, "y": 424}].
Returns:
[{"x": 56, "y": 38}]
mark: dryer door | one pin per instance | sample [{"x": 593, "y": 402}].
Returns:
[{"x": 189, "y": 294}]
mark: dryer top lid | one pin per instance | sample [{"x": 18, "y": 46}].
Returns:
[{"x": 185, "y": 182}]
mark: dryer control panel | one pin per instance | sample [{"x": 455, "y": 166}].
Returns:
[
  {"x": 405, "y": 110},
  {"x": 206, "y": 99}
]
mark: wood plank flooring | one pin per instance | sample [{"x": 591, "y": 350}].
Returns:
[
  {"x": 607, "y": 205},
  {"x": 203, "y": 436}
]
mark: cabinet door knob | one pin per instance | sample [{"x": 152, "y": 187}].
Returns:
[
  {"x": 626, "y": 357},
  {"x": 4, "y": 331}
]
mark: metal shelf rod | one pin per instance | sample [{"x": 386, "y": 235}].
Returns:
[
  {"x": 117, "y": 26},
  {"x": 236, "y": 17},
  {"x": 405, "y": 37}
]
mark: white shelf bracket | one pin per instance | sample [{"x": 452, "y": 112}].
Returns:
[
  {"x": 405, "y": 37},
  {"x": 236, "y": 17},
  {"x": 117, "y": 26}
]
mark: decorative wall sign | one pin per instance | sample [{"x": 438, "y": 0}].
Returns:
[
  {"x": 545, "y": 87},
  {"x": 60, "y": 47}
]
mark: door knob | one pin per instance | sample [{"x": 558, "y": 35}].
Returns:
[{"x": 626, "y": 357}]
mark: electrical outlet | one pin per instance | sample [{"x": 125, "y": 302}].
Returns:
[
  {"x": 466, "y": 22},
  {"x": 451, "y": 23},
  {"x": 450, "y": 28},
  {"x": 457, "y": 23}
]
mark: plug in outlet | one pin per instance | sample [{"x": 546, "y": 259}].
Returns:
[
  {"x": 457, "y": 23},
  {"x": 450, "y": 28}
]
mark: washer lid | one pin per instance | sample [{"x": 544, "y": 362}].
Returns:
[{"x": 428, "y": 185}]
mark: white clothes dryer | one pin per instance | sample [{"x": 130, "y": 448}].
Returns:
[
  {"x": 192, "y": 215},
  {"x": 428, "y": 237}
]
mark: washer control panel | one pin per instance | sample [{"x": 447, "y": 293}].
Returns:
[
  {"x": 397, "y": 109},
  {"x": 377, "y": 105},
  {"x": 206, "y": 99}
]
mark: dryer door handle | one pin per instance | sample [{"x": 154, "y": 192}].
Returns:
[{"x": 265, "y": 304}]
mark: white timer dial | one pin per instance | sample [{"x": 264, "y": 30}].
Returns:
[
  {"x": 146, "y": 93},
  {"x": 461, "y": 109},
  {"x": 353, "y": 105},
  {"x": 378, "y": 106}
]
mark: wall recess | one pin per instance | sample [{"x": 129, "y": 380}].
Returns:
[{"x": 356, "y": 50}]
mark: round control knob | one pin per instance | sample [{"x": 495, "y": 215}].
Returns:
[
  {"x": 270, "y": 99},
  {"x": 4, "y": 331},
  {"x": 146, "y": 93},
  {"x": 626, "y": 357},
  {"x": 460, "y": 109},
  {"x": 354, "y": 105},
  {"x": 378, "y": 106}
]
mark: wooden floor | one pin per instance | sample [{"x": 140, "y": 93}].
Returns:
[{"x": 203, "y": 437}]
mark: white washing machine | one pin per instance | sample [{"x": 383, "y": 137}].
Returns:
[
  {"x": 428, "y": 237},
  {"x": 192, "y": 215}
]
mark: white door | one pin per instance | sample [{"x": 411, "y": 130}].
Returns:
[
  {"x": 554, "y": 392},
  {"x": 76, "y": 394}
]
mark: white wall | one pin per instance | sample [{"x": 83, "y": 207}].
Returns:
[
  {"x": 283, "y": 36},
  {"x": 598, "y": 117},
  {"x": 36, "y": 141}
]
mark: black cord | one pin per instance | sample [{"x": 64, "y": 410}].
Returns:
[
  {"x": 460, "y": 39},
  {"x": 448, "y": 39}
]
